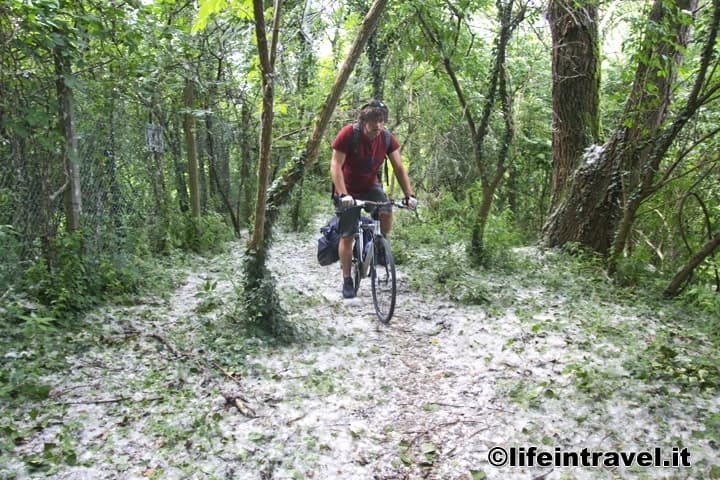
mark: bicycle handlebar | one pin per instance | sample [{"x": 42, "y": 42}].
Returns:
[{"x": 394, "y": 203}]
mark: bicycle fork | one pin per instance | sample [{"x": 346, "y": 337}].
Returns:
[{"x": 367, "y": 260}]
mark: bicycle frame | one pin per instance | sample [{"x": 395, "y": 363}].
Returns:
[{"x": 360, "y": 236}]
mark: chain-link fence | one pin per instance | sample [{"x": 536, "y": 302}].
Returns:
[{"x": 132, "y": 179}]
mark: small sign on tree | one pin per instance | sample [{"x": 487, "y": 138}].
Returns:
[{"x": 154, "y": 138}]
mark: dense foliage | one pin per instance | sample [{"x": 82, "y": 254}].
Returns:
[
  {"x": 146, "y": 121},
  {"x": 131, "y": 65}
]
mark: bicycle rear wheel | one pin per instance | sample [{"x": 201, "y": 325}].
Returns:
[{"x": 382, "y": 277}]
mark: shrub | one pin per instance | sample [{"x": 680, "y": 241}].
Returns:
[{"x": 67, "y": 279}]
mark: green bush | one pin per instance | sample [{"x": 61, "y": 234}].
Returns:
[
  {"x": 207, "y": 234},
  {"x": 445, "y": 220},
  {"x": 33, "y": 343},
  {"x": 67, "y": 279},
  {"x": 501, "y": 235},
  {"x": 58, "y": 277},
  {"x": 704, "y": 298}
]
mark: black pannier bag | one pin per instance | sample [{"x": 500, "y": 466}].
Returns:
[{"x": 327, "y": 252}]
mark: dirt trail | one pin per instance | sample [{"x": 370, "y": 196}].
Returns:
[{"x": 426, "y": 397}]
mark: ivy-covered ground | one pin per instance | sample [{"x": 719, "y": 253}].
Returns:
[{"x": 543, "y": 354}]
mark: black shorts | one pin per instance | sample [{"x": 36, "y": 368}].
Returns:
[{"x": 348, "y": 218}]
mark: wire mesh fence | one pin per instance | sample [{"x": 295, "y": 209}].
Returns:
[{"x": 118, "y": 187}]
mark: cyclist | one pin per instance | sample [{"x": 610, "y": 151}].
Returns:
[{"x": 355, "y": 168}]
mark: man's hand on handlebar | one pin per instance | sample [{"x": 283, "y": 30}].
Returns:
[
  {"x": 347, "y": 201},
  {"x": 410, "y": 202}
]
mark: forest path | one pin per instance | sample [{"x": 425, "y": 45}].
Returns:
[{"x": 168, "y": 392}]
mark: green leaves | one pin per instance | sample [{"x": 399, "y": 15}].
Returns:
[
  {"x": 207, "y": 9},
  {"x": 22, "y": 385},
  {"x": 241, "y": 9},
  {"x": 676, "y": 362}
]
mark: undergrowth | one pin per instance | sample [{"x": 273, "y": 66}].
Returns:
[
  {"x": 42, "y": 317},
  {"x": 432, "y": 248},
  {"x": 657, "y": 344}
]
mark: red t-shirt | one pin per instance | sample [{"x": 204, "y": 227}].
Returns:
[{"x": 362, "y": 166}]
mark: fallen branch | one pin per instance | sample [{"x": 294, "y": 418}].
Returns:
[
  {"x": 235, "y": 400},
  {"x": 167, "y": 344},
  {"x": 109, "y": 400}
]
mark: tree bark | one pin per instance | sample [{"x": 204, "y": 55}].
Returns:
[
  {"x": 575, "y": 88},
  {"x": 267, "y": 68},
  {"x": 175, "y": 142},
  {"x": 244, "y": 207},
  {"x": 191, "y": 149},
  {"x": 644, "y": 176},
  {"x": 591, "y": 211},
  {"x": 71, "y": 158}
]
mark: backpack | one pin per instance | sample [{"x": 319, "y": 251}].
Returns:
[{"x": 327, "y": 250}]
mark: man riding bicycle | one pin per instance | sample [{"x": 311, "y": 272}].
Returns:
[{"x": 358, "y": 153}]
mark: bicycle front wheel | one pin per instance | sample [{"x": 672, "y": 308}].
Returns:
[{"x": 382, "y": 277}]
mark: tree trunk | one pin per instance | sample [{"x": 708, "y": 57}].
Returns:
[
  {"x": 260, "y": 297},
  {"x": 684, "y": 274},
  {"x": 191, "y": 149},
  {"x": 267, "y": 68},
  {"x": 376, "y": 50},
  {"x": 244, "y": 188},
  {"x": 157, "y": 179},
  {"x": 111, "y": 165},
  {"x": 490, "y": 175},
  {"x": 490, "y": 185},
  {"x": 203, "y": 181},
  {"x": 212, "y": 155},
  {"x": 592, "y": 204},
  {"x": 643, "y": 175},
  {"x": 590, "y": 212},
  {"x": 71, "y": 159},
  {"x": 219, "y": 173},
  {"x": 575, "y": 88},
  {"x": 179, "y": 168}
]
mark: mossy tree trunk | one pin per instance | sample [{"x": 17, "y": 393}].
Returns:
[
  {"x": 591, "y": 211},
  {"x": 647, "y": 177},
  {"x": 575, "y": 88},
  {"x": 261, "y": 301}
]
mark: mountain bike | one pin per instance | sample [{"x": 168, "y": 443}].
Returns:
[{"x": 372, "y": 257}]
